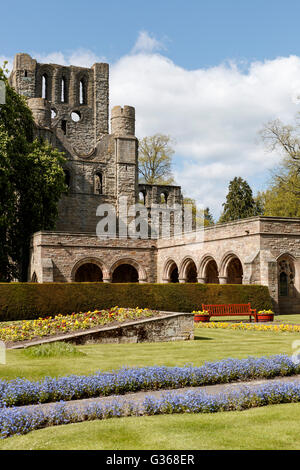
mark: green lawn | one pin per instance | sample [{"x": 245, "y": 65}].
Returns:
[
  {"x": 209, "y": 345},
  {"x": 274, "y": 427}
]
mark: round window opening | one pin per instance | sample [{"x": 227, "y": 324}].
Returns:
[{"x": 75, "y": 116}]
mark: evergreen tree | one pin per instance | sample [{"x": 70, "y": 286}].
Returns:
[
  {"x": 31, "y": 183},
  {"x": 240, "y": 203}
]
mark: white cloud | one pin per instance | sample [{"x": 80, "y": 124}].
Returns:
[
  {"x": 147, "y": 44},
  {"x": 213, "y": 114}
]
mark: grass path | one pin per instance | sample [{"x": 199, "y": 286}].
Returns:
[
  {"x": 273, "y": 427},
  {"x": 209, "y": 345}
]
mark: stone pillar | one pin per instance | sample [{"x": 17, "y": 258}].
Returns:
[
  {"x": 201, "y": 280},
  {"x": 223, "y": 279},
  {"x": 182, "y": 280}
]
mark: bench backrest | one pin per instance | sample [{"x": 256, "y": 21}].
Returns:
[{"x": 227, "y": 308}]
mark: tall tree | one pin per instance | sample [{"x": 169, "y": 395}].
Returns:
[
  {"x": 279, "y": 199},
  {"x": 285, "y": 139},
  {"x": 31, "y": 183},
  {"x": 240, "y": 203},
  {"x": 155, "y": 159}
]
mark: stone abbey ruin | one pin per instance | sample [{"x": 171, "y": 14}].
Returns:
[{"x": 70, "y": 106}]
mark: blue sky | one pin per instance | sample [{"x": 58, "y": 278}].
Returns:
[{"x": 208, "y": 73}]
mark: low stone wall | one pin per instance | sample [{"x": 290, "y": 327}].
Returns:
[{"x": 169, "y": 327}]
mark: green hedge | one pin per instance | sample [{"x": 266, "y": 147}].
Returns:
[{"x": 30, "y": 300}]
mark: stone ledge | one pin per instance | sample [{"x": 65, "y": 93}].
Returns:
[{"x": 171, "y": 326}]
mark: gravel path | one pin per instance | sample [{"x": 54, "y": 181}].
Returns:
[{"x": 138, "y": 397}]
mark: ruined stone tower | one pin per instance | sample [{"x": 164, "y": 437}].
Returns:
[{"x": 70, "y": 106}]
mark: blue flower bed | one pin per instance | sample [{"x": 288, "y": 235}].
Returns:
[
  {"x": 23, "y": 420},
  {"x": 25, "y": 392}
]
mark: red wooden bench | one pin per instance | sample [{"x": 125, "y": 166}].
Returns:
[{"x": 231, "y": 310}]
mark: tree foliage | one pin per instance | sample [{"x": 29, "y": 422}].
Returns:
[
  {"x": 280, "y": 200},
  {"x": 31, "y": 183},
  {"x": 155, "y": 159},
  {"x": 240, "y": 202},
  {"x": 286, "y": 140},
  {"x": 282, "y": 197}
]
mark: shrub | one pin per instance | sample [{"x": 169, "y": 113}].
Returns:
[
  {"x": 59, "y": 349},
  {"x": 20, "y": 301}
]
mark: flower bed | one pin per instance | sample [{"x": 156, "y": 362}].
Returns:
[
  {"x": 21, "y": 421},
  {"x": 248, "y": 326},
  {"x": 25, "y": 392},
  {"x": 29, "y": 329}
]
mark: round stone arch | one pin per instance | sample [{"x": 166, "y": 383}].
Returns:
[
  {"x": 170, "y": 272},
  {"x": 188, "y": 270},
  {"x": 94, "y": 261},
  {"x": 208, "y": 269},
  {"x": 231, "y": 269},
  {"x": 142, "y": 276}
]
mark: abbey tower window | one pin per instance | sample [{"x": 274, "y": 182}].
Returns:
[
  {"x": 45, "y": 86},
  {"x": 83, "y": 92},
  {"x": 63, "y": 91}
]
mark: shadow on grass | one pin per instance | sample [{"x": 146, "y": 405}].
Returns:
[{"x": 202, "y": 338}]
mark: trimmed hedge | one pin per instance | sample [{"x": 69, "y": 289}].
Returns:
[{"x": 19, "y": 301}]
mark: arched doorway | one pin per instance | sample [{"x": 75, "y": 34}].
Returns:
[
  {"x": 211, "y": 272},
  {"x": 234, "y": 271},
  {"x": 89, "y": 272},
  {"x": 125, "y": 273}
]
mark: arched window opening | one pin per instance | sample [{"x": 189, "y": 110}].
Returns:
[
  {"x": 34, "y": 278},
  {"x": 142, "y": 198},
  {"x": 98, "y": 183},
  {"x": 89, "y": 272},
  {"x": 63, "y": 91},
  {"x": 283, "y": 285},
  {"x": 125, "y": 273},
  {"x": 163, "y": 198},
  {"x": 45, "y": 86},
  {"x": 286, "y": 278},
  {"x": 82, "y": 92},
  {"x": 25, "y": 73}
]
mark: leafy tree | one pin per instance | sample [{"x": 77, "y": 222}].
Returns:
[
  {"x": 155, "y": 159},
  {"x": 280, "y": 201},
  {"x": 31, "y": 183},
  {"x": 239, "y": 202},
  {"x": 286, "y": 140}
]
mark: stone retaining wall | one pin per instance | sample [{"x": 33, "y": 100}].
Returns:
[{"x": 168, "y": 327}]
